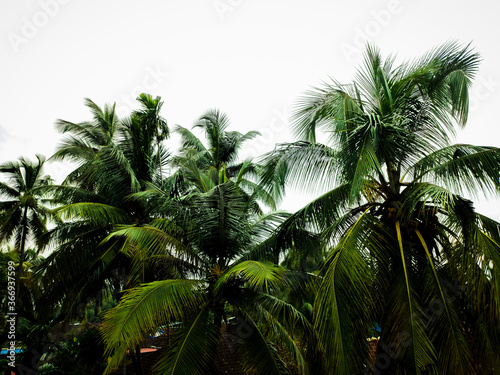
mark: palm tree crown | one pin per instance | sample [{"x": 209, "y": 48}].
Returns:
[
  {"x": 23, "y": 213},
  {"x": 204, "y": 167},
  {"x": 207, "y": 236},
  {"x": 396, "y": 223},
  {"x": 114, "y": 158}
]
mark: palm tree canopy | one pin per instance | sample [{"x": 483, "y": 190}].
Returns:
[
  {"x": 204, "y": 167},
  {"x": 398, "y": 229},
  {"x": 23, "y": 210},
  {"x": 114, "y": 158},
  {"x": 213, "y": 231},
  {"x": 23, "y": 213}
]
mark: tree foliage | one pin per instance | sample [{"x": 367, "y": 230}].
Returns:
[
  {"x": 190, "y": 242},
  {"x": 407, "y": 251}
]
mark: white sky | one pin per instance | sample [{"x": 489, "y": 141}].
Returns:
[{"x": 250, "y": 58}]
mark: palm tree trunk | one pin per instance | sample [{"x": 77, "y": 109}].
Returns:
[
  {"x": 218, "y": 313},
  {"x": 21, "y": 252},
  {"x": 136, "y": 360},
  {"x": 159, "y": 160},
  {"x": 21, "y": 259}
]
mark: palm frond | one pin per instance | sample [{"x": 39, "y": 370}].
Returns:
[
  {"x": 194, "y": 348},
  {"x": 423, "y": 352},
  {"x": 259, "y": 275},
  {"x": 284, "y": 329},
  {"x": 453, "y": 356},
  {"x": 145, "y": 308},
  {"x": 343, "y": 302},
  {"x": 464, "y": 168},
  {"x": 8, "y": 191},
  {"x": 260, "y": 355},
  {"x": 190, "y": 141},
  {"x": 299, "y": 164},
  {"x": 149, "y": 237},
  {"x": 331, "y": 107},
  {"x": 97, "y": 213}
]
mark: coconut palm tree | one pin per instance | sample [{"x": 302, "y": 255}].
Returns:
[
  {"x": 207, "y": 236},
  {"x": 407, "y": 251},
  {"x": 147, "y": 130},
  {"x": 84, "y": 142},
  {"x": 220, "y": 247},
  {"x": 114, "y": 158},
  {"x": 204, "y": 167},
  {"x": 23, "y": 212}
]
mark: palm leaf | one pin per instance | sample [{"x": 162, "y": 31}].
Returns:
[
  {"x": 463, "y": 168},
  {"x": 302, "y": 164},
  {"x": 97, "y": 213},
  {"x": 343, "y": 301},
  {"x": 259, "y": 275},
  {"x": 194, "y": 348},
  {"x": 423, "y": 351},
  {"x": 260, "y": 356},
  {"x": 454, "y": 354},
  {"x": 145, "y": 308}
]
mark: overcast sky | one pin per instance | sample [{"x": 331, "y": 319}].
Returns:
[{"x": 250, "y": 58}]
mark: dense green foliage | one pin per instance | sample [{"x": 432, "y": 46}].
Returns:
[
  {"x": 189, "y": 243},
  {"x": 406, "y": 250}
]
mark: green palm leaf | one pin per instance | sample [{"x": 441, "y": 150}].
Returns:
[
  {"x": 260, "y": 355},
  {"x": 343, "y": 301},
  {"x": 194, "y": 349},
  {"x": 301, "y": 163},
  {"x": 259, "y": 275},
  {"x": 463, "y": 168},
  {"x": 96, "y": 213},
  {"x": 145, "y": 308}
]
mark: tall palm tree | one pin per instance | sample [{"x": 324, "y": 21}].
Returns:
[
  {"x": 114, "y": 158},
  {"x": 23, "y": 212},
  {"x": 407, "y": 251},
  {"x": 206, "y": 237},
  {"x": 204, "y": 167},
  {"x": 148, "y": 129},
  {"x": 213, "y": 237},
  {"x": 84, "y": 142}
]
